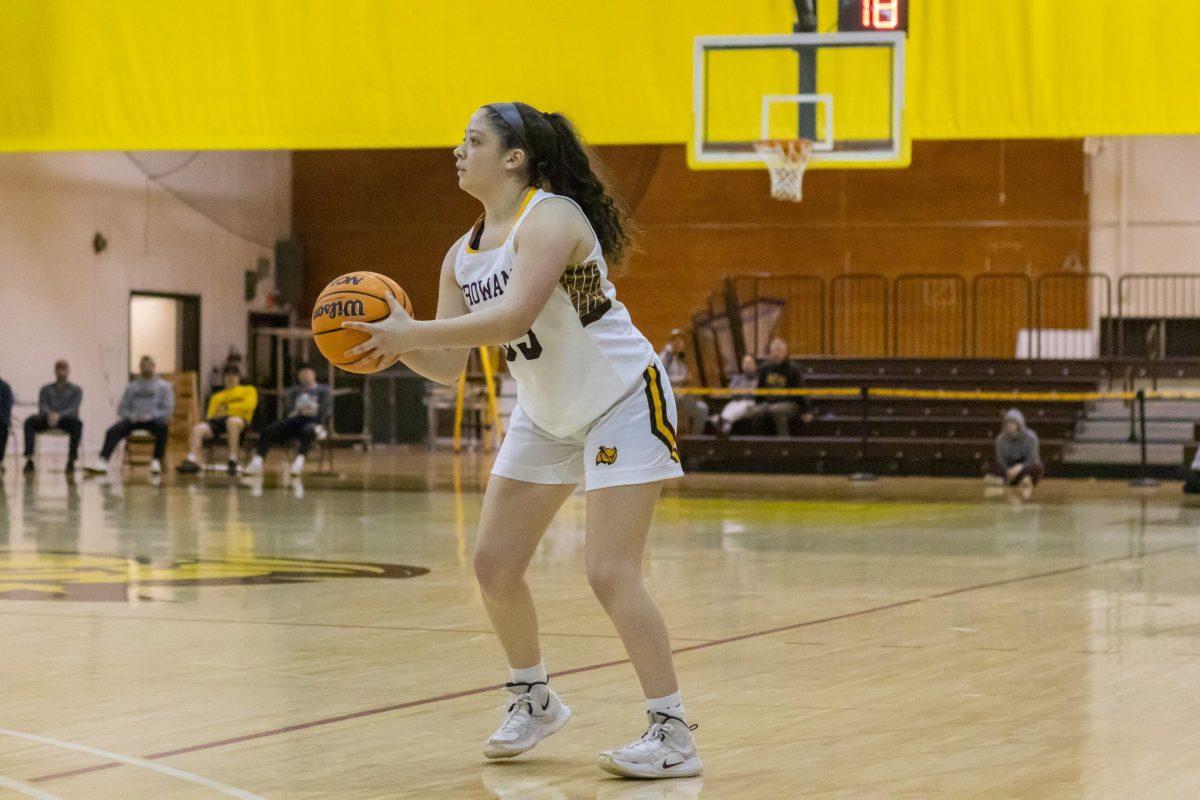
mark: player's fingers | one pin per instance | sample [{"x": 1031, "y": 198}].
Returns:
[
  {"x": 365, "y": 347},
  {"x": 395, "y": 304},
  {"x": 366, "y": 327}
]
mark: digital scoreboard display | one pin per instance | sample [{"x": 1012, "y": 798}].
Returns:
[{"x": 872, "y": 15}]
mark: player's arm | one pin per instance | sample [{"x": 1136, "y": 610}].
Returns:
[
  {"x": 443, "y": 364},
  {"x": 546, "y": 243}
]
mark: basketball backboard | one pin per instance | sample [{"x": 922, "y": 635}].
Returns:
[{"x": 843, "y": 91}]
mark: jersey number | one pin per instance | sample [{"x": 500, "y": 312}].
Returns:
[{"x": 532, "y": 351}]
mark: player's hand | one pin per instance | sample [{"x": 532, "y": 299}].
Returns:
[{"x": 390, "y": 338}]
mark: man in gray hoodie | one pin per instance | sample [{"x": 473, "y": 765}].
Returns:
[
  {"x": 307, "y": 406},
  {"x": 1018, "y": 459},
  {"x": 147, "y": 405}
]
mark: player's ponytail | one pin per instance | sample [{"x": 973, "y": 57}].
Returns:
[{"x": 558, "y": 161}]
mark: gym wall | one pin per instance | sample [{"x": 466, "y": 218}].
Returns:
[{"x": 963, "y": 207}]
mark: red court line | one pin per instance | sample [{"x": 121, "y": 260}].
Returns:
[
  {"x": 335, "y": 625},
  {"x": 603, "y": 665}
]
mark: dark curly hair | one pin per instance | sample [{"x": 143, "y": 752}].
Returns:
[{"x": 557, "y": 159}]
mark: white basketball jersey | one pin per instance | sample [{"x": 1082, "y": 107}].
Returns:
[{"x": 582, "y": 354}]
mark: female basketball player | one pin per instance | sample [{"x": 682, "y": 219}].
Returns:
[{"x": 592, "y": 405}]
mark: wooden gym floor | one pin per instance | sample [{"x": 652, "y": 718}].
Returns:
[{"x": 905, "y": 639}]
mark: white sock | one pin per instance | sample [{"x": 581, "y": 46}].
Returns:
[
  {"x": 672, "y": 704},
  {"x": 1196, "y": 462},
  {"x": 192, "y": 458},
  {"x": 298, "y": 463},
  {"x": 534, "y": 674},
  {"x": 256, "y": 461}
]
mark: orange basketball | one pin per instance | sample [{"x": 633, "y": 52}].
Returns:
[{"x": 354, "y": 297}]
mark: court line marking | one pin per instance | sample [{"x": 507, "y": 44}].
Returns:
[
  {"x": 133, "y": 761},
  {"x": 246, "y": 737},
  {"x": 402, "y": 628},
  {"x": 26, "y": 789}
]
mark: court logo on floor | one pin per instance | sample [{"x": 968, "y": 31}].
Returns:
[{"x": 69, "y": 576}]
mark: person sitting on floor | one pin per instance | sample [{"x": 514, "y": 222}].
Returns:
[
  {"x": 1018, "y": 459},
  {"x": 58, "y": 408},
  {"x": 780, "y": 373},
  {"x": 738, "y": 407},
  {"x": 229, "y": 413},
  {"x": 307, "y": 405},
  {"x": 147, "y": 405},
  {"x": 693, "y": 411}
]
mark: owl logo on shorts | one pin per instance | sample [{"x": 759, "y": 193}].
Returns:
[{"x": 606, "y": 455}]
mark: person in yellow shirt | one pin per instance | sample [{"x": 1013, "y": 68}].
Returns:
[{"x": 229, "y": 413}]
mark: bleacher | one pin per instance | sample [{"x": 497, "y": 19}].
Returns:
[
  {"x": 895, "y": 432},
  {"x": 906, "y": 436}
]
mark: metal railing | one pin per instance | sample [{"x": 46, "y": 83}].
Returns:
[{"x": 1061, "y": 314}]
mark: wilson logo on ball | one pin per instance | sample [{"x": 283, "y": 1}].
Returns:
[
  {"x": 353, "y": 280},
  {"x": 339, "y": 308}
]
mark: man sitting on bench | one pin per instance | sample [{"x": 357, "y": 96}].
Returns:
[
  {"x": 229, "y": 413},
  {"x": 306, "y": 406},
  {"x": 58, "y": 407},
  {"x": 147, "y": 405}
]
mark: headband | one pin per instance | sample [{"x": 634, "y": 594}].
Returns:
[{"x": 512, "y": 117}]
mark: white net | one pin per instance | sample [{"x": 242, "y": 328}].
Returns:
[{"x": 785, "y": 160}]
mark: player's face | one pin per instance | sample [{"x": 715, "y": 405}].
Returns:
[
  {"x": 61, "y": 371},
  {"x": 232, "y": 379},
  {"x": 307, "y": 377},
  {"x": 480, "y": 158}
]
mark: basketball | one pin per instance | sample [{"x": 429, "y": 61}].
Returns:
[{"x": 353, "y": 297}]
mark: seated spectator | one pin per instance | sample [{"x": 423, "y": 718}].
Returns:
[
  {"x": 146, "y": 405},
  {"x": 229, "y": 413},
  {"x": 1018, "y": 460},
  {"x": 739, "y": 407},
  {"x": 780, "y": 373},
  {"x": 58, "y": 408},
  {"x": 306, "y": 406},
  {"x": 693, "y": 411},
  {"x": 6, "y": 404}
]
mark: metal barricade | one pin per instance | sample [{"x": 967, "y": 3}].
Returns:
[
  {"x": 1067, "y": 302},
  {"x": 790, "y": 306},
  {"x": 929, "y": 316},
  {"x": 858, "y": 315},
  {"x": 1001, "y": 307},
  {"x": 1151, "y": 300}
]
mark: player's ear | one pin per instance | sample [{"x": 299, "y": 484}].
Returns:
[{"x": 515, "y": 159}]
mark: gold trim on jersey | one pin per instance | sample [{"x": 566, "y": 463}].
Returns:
[
  {"x": 477, "y": 228},
  {"x": 581, "y": 282},
  {"x": 660, "y": 425}
]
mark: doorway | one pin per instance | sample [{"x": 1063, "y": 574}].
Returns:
[{"x": 165, "y": 327}]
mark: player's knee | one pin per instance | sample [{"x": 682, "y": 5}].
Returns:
[
  {"x": 496, "y": 576},
  {"x": 610, "y": 582},
  {"x": 202, "y": 430},
  {"x": 235, "y": 424}
]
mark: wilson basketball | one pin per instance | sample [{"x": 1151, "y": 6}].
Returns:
[{"x": 354, "y": 297}]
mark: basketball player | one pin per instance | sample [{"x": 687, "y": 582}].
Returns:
[{"x": 592, "y": 406}]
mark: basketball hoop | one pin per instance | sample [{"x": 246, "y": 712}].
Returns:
[{"x": 785, "y": 160}]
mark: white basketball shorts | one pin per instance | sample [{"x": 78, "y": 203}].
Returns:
[{"x": 631, "y": 442}]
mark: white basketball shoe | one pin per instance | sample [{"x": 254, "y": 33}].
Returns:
[
  {"x": 666, "y": 750},
  {"x": 532, "y": 713}
]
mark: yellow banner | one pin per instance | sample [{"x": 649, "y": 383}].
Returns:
[{"x": 225, "y": 74}]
